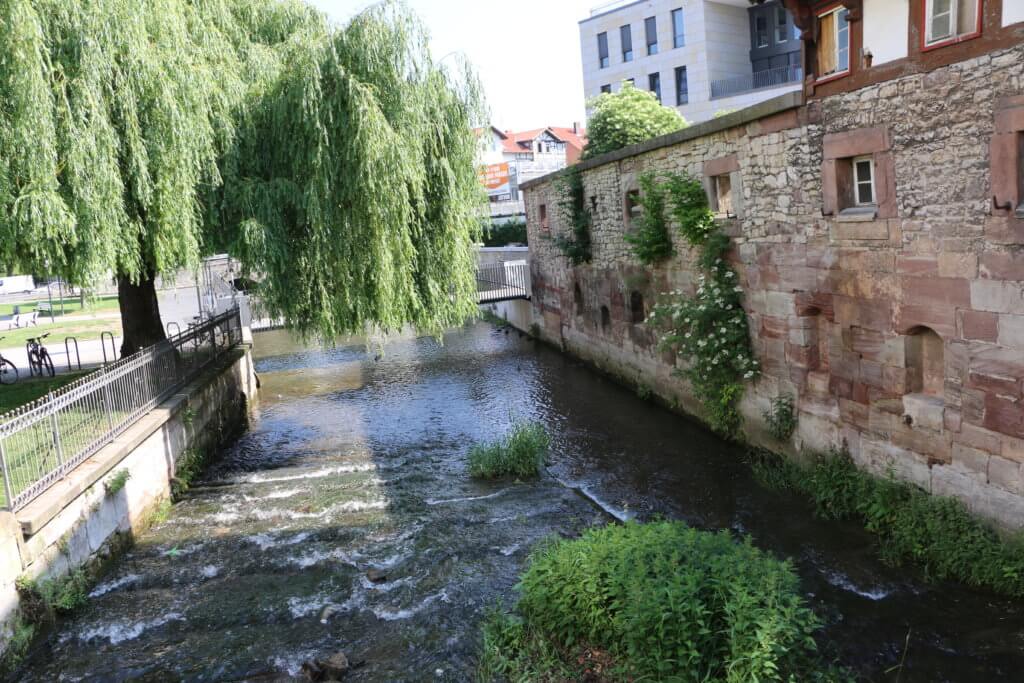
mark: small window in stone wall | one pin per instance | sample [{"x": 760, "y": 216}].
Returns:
[
  {"x": 858, "y": 175},
  {"x": 577, "y": 298},
  {"x": 636, "y": 308},
  {"x": 606, "y": 318},
  {"x": 544, "y": 225},
  {"x": 925, "y": 360},
  {"x": 593, "y": 203},
  {"x": 633, "y": 207},
  {"x": 722, "y": 185}
]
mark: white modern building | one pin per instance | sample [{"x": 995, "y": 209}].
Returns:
[{"x": 701, "y": 56}]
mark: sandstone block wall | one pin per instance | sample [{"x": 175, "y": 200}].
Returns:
[{"x": 901, "y": 334}]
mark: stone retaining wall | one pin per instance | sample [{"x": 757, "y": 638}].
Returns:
[
  {"x": 901, "y": 334},
  {"x": 77, "y": 523}
]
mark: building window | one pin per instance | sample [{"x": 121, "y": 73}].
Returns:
[
  {"x": 863, "y": 181},
  {"x": 947, "y": 20},
  {"x": 654, "y": 84},
  {"x": 682, "y": 90},
  {"x": 631, "y": 81},
  {"x": 651, "y": 30},
  {"x": 544, "y": 225},
  {"x": 781, "y": 25},
  {"x": 833, "y": 43},
  {"x": 626, "y": 35},
  {"x": 636, "y": 308},
  {"x": 633, "y": 207},
  {"x": 606, "y": 88},
  {"x": 678, "y": 40},
  {"x": 722, "y": 187},
  {"x": 602, "y": 50},
  {"x": 606, "y": 318},
  {"x": 761, "y": 31}
]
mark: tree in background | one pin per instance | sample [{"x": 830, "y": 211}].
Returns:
[
  {"x": 503, "y": 234},
  {"x": 335, "y": 162},
  {"x": 626, "y": 118}
]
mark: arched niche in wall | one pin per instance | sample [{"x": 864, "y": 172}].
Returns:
[
  {"x": 637, "y": 314},
  {"x": 577, "y": 299},
  {"x": 606, "y": 319}
]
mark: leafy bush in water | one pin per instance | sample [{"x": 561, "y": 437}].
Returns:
[
  {"x": 936, "y": 532},
  {"x": 665, "y": 602},
  {"x": 63, "y": 595},
  {"x": 520, "y": 453}
]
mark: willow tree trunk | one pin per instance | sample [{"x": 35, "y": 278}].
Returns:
[{"x": 140, "y": 314}]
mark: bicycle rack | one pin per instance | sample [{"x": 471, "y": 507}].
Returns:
[
  {"x": 176, "y": 326},
  {"x": 67, "y": 352},
  {"x": 103, "y": 344}
]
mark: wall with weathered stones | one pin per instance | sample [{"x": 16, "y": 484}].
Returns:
[
  {"x": 78, "y": 523},
  {"x": 842, "y": 308}
]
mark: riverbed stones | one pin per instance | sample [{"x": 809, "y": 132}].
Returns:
[{"x": 332, "y": 668}]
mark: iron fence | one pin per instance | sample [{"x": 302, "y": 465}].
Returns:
[
  {"x": 503, "y": 281},
  {"x": 41, "y": 442},
  {"x": 770, "y": 78}
]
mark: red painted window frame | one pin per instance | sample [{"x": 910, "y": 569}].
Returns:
[
  {"x": 818, "y": 14},
  {"x": 952, "y": 41}
]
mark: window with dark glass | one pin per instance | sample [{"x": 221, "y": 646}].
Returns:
[
  {"x": 602, "y": 50},
  {"x": 682, "y": 90},
  {"x": 761, "y": 31},
  {"x": 626, "y": 35},
  {"x": 781, "y": 25},
  {"x": 949, "y": 19},
  {"x": 651, "y": 31},
  {"x": 606, "y": 88},
  {"x": 654, "y": 85},
  {"x": 678, "y": 39}
]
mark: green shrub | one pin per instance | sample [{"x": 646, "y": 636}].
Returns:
[
  {"x": 781, "y": 417},
  {"x": 665, "y": 602},
  {"x": 650, "y": 242},
  {"x": 500, "y": 235},
  {"x": 938, "y": 533},
  {"x": 63, "y": 594},
  {"x": 520, "y": 453},
  {"x": 22, "y": 633},
  {"x": 117, "y": 482},
  {"x": 577, "y": 245}
]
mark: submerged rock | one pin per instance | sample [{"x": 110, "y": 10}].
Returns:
[
  {"x": 376, "y": 575},
  {"x": 331, "y": 669}
]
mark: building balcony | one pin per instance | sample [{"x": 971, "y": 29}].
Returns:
[{"x": 772, "y": 78}]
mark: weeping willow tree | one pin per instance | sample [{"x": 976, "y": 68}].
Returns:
[{"x": 335, "y": 162}]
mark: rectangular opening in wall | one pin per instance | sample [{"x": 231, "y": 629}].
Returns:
[
  {"x": 723, "y": 195},
  {"x": 626, "y": 36},
  {"x": 654, "y": 84},
  {"x": 833, "y": 43},
  {"x": 678, "y": 39},
  {"x": 948, "y": 20},
  {"x": 602, "y": 50},
  {"x": 864, "y": 181},
  {"x": 682, "y": 88},
  {"x": 651, "y": 31},
  {"x": 543, "y": 210},
  {"x": 633, "y": 208}
]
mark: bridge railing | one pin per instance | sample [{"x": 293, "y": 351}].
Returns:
[
  {"x": 503, "y": 281},
  {"x": 42, "y": 441}
]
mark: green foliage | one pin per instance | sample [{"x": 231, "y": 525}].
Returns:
[
  {"x": 62, "y": 595},
  {"x": 573, "y": 205},
  {"x": 191, "y": 465},
  {"x": 335, "y": 161},
  {"x": 643, "y": 392},
  {"x": 626, "y": 118},
  {"x": 781, "y": 417},
  {"x": 519, "y": 454},
  {"x": 22, "y": 633},
  {"x": 117, "y": 482},
  {"x": 936, "y": 532},
  {"x": 503, "y": 234},
  {"x": 666, "y": 602},
  {"x": 650, "y": 241},
  {"x": 710, "y": 329}
]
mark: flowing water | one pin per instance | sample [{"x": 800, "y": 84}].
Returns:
[{"x": 355, "y": 463}]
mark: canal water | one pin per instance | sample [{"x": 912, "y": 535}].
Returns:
[{"x": 345, "y": 521}]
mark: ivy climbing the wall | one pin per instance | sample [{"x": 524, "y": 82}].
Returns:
[
  {"x": 709, "y": 329},
  {"x": 575, "y": 246},
  {"x": 650, "y": 242}
]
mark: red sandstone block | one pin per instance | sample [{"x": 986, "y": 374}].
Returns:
[
  {"x": 854, "y": 413},
  {"x": 996, "y": 360},
  {"x": 871, "y": 374},
  {"x": 856, "y": 142},
  {"x": 1005, "y": 416},
  {"x": 1004, "y": 230},
  {"x": 940, "y": 318},
  {"x": 918, "y": 265},
  {"x": 998, "y": 265},
  {"x": 840, "y": 387},
  {"x": 951, "y": 420},
  {"x": 979, "y": 325},
  {"x": 938, "y": 291},
  {"x": 860, "y": 393},
  {"x": 818, "y": 383},
  {"x": 773, "y": 327},
  {"x": 874, "y": 313},
  {"x": 996, "y": 384},
  {"x": 802, "y": 356},
  {"x": 894, "y": 379},
  {"x": 812, "y": 303}
]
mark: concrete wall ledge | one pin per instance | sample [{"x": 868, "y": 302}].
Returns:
[{"x": 34, "y": 516}]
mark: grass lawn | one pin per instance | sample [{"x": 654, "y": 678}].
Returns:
[
  {"x": 71, "y": 305},
  {"x": 83, "y": 330},
  {"x": 26, "y": 390}
]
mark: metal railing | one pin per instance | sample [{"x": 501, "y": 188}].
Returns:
[
  {"x": 41, "y": 442},
  {"x": 771, "y": 78},
  {"x": 503, "y": 281}
]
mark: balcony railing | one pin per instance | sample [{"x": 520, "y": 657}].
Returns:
[{"x": 772, "y": 78}]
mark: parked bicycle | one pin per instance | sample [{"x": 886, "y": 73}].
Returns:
[
  {"x": 39, "y": 361},
  {"x": 8, "y": 370}
]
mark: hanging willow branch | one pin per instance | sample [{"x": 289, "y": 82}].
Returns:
[{"x": 337, "y": 163}]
